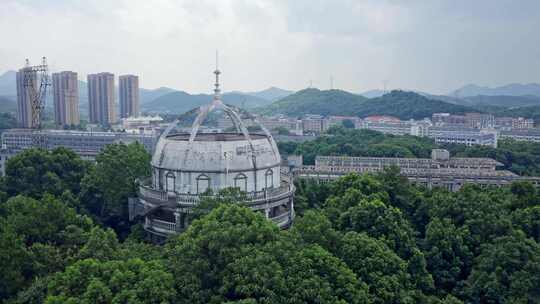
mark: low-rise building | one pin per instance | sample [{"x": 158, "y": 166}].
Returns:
[
  {"x": 440, "y": 170},
  {"x": 510, "y": 123},
  {"x": 314, "y": 124},
  {"x": 465, "y": 136},
  {"x": 86, "y": 144},
  {"x": 521, "y": 134}
]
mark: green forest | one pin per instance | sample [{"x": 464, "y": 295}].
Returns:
[{"x": 65, "y": 236}]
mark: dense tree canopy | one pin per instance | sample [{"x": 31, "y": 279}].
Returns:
[
  {"x": 359, "y": 239},
  {"x": 35, "y": 172},
  {"x": 107, "y": 186}
]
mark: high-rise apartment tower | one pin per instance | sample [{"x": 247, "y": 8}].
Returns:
[
  {"x": 66, "y": 98},
  {"x": 129, "y": 96},
  {"x": 101, "y": 98},
  {"x": 24, "y": 97}
]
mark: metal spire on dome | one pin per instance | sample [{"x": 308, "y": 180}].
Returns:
[{"x": 217, "y": 91}]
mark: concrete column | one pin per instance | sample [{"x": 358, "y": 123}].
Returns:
[
  {"x": 267, "y": 213},
  {"x": 177, "y": 220}
]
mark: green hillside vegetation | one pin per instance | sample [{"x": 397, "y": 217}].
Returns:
[
  {"x": 372, "y": 239},
  {"x": 8, "y": 104},
  {"x": 503, "y": 101},
  {"x": 527, "y": 112},
  {"x": 405, "y": 105},
  {"x": 180, "y": 102},
  {"x": 315, "y": 101},
  {"x": 7, "y": 121}
]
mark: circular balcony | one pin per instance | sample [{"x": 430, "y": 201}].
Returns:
[{"x": 255, "y": 200}]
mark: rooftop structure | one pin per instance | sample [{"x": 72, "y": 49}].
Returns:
[{"x": 188, "y": 167}]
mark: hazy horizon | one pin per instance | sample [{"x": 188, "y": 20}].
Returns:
[{"x": 432, "y": 46}]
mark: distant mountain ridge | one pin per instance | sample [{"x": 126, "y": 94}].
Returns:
[
  {"x": 402, "y": 104},
  {"x": 180, "y": 101},
  {"x": 513, "y": 89},
  {"x": 271, "y": 94}
]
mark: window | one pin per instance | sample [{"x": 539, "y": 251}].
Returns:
[
  {"x": 240, "y": 181},
  {"x": 170, "y": 181},
  {"x": 203, "y": 183},
  {"x": 269, "y": 178}
]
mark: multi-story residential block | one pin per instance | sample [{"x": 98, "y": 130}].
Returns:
[
  {"x": 66, "y": 98},
  {"x": 24, "y": 97},
  {"x": 101, "y": 98},
  {"x": 129, "y": 96}
]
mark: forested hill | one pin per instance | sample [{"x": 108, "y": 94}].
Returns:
[
  {"x": 315, "y": 101},
  {"x": 405, "y": 105}
]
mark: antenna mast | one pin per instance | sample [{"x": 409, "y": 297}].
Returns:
[
  {"x": 37, "y": 94},
  {"x": 217, "y": 91}
]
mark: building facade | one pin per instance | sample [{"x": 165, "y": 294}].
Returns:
[
  {"x": 129, "y": 96},
  {"x": 66, "y": 98},
  {"x": 101, "y": 98},
  {"x": 24, "y": 97}
]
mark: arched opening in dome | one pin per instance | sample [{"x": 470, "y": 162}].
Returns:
[
  {"x": 170, "y": 181},
  {"x": 269, "y": 179},
  {"x": 203, "y": 183},
  {"x": 240, "y": 181}
]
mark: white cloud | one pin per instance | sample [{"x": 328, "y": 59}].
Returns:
[{"x": 428, "y": 45}]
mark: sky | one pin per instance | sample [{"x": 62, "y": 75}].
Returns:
[{"x": 432, "y": 45}]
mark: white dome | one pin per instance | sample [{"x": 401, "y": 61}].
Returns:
[{"x": 216, "y": 153}]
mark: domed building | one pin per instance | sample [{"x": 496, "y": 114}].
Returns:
[{"x": 187, "y": 167}]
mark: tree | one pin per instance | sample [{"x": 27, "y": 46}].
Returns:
[
  {"x": 35, "y": 172},
  {"x": 528, "y": 220},
  {"x": 101, "y": 245},
  {"x": 315, "y": 228},
  {"x": 13, "y": 255},
  {"x": 42, "y": 221},
  {"x": 235, "y": 254},
  {"x": 130, "y": 281},
  {"x": 348, "y": 124},
  {"x": 506, "y": 271},
  {"x": 383, "y": 222},
  {"x": 106, "y": 188},
  {"x": 377, "y": 265},
  {"x": 448, "y": 255}
]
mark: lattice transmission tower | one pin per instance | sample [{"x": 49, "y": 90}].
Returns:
[{"x": 37, "y": 93}]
